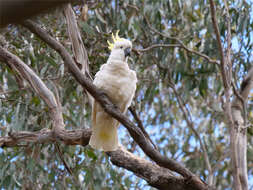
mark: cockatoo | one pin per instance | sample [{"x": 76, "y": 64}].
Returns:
[{"x": 118, "y": 81}]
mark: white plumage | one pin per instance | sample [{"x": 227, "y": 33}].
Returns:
[{"x": 119, "y": 83}]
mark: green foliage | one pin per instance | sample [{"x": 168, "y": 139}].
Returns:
[{"x": 197, "y": 81}]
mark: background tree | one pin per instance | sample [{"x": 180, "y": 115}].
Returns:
[{"x": 193, "y": 61}]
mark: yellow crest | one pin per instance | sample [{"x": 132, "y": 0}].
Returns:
[{"x": 115, "y": 38}]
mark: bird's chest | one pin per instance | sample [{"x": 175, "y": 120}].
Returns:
[
  {"x": 116, "y": 83},
  {"x": 117, "y": 87}
]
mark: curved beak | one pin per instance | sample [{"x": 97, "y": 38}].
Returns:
[{"x": 127, "y": 52}]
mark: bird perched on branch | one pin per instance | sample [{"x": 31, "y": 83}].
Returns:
[{"x": 118, "y": 81}]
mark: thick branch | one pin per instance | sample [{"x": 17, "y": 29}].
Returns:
[
  {"x": 134, "y": 131},
  {"x": 41, "y": 89},
  {"x": 75, "y": 137},
  {"x": 15, "y": 11},
  {"x": 36, "y": 83},
  {"x": 239, "y": 132},
  {"x": 155, "y": 176},
  {"x": 38, "y": 86}
]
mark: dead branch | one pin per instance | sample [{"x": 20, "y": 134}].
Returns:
[
  {"x": 229, "y": 44},
  {"x": 28, "y": 74},
  {"x": 37, "y": 85},
  {"x": 79, "y": 51}
]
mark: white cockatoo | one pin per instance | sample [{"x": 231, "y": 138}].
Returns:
[{"x": 118, "y": 81}]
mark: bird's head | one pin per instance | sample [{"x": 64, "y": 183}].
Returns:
[{"x": 120, "y": 48}]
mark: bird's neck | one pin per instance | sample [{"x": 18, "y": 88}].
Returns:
[
  {"x": 117, "y": 64},
  {"x": 116, "y": 57},
  {"x": 116, "y": 60}
]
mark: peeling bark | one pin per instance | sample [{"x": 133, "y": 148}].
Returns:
[{"x": 79, "y": 51}]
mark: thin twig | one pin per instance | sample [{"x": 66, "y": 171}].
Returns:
[
  {"x": 181, "y": 44},
  {"x": 60, "y": 154},
  {"x": 218, "y": 162},
  {"x": 12, "y": 91},
  {"x": 238, "y": 95},
  {"x": 140, "y": 125},
  {"x": 229, "y": 44},
  {"x": 20, "y": 102},
  {"x": 188, "y": 118},
  {"x": 62, "y": 159},
  {"x": 157, "y": 46},
  {"x": 219, "y": 43}
]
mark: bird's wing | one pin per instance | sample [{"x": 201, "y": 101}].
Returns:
[{"x": 133, "y": 80}]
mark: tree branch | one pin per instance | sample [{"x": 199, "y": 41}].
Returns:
[
  {"x": 189, "y": 121},
  {"x": 219, "y": 43},
  {"x": 38, "y": 86},
  {"x": 180, "y": 44},
  {"x": 229, "y": 44},
  {"x": 41, "y": 89},
  {"x": 157, "y": 46},
  {"x": 28, "y": 74},
  {"x": 234, "y": 111},
  {"x": 155, "y": 176},
  {"x": 140, "y": 125},
  {"x": 79, "y": 51},
  {"x": 247, "y": 84},
  {"x": 134, "y": 131},
  {"x": 24, "y": 9},
  {"x": 239, "y": 132},
  {"x": 74, "y": 137}
]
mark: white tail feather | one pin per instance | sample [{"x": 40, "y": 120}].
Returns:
[{"x": 104, "y": 133}]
